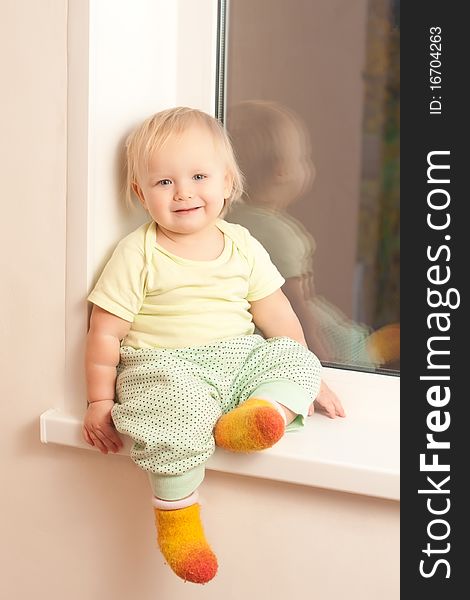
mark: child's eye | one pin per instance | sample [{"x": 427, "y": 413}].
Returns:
[
  {"x": 164, "y": 182},
  {"x": 199, "y": 176}
]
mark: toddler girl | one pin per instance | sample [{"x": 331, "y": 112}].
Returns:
[{"x": 172, "y": 359}]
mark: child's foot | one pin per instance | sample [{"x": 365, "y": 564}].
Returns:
[
  {"x": 183, "y": 544},
  {"x": 254, "y": 425}
]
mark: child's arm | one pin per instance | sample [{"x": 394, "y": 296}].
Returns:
[
  {"x": 275, "y": 317},
  {"x": 101, "y": 359},
  {"x": 293, "y": 289}
]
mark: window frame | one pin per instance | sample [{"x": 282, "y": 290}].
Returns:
[{"x": 87, "y": 55}]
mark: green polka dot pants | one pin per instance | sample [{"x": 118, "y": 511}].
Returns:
[{"x": 169, "y": 400}]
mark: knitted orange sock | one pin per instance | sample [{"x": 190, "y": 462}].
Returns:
[
  {"x": 183, "y": 544},
  {"x": 254, "y": 425}
]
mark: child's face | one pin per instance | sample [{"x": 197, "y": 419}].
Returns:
[{"x": 186, "y": 183}]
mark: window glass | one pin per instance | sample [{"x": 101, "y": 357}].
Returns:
[{"x": 312, "y": 107}]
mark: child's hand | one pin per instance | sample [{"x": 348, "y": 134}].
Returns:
[
  {"x": 327, "y": 402},
  {"x": 98, "y": 427}
]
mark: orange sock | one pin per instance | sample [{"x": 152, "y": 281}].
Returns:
[
  {"x": 183, "y": 544},
  {"x": 254, "y": 425}
]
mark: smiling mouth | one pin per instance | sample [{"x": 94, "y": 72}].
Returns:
[{"x": 187, "y": 210}]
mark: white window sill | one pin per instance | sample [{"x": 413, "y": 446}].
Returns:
[{"x": 357, "y": 454}]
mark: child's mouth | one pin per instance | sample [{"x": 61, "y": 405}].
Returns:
[{"x": 187, "y": 211}]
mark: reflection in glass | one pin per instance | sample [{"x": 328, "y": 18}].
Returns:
[{"x": 322, "y": 169}]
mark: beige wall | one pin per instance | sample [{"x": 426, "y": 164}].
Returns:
[{"x": 76, "y": 524}]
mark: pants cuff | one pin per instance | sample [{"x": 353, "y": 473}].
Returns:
[
  {"x": 175, "y": 487},
  {"x": 289, "y": 394}
]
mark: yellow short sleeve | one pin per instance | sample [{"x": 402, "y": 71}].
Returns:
[{"x": 121, "y": 287}]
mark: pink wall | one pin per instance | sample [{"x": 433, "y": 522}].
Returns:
[{"x": 76, "y": 524}]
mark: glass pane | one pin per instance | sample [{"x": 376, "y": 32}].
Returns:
[{"x": 312, "y": 106}]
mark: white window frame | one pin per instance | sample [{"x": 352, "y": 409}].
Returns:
[{"x": 164, "y": 64}]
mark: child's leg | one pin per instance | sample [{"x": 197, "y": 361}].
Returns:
[
  {"x": 181, "y": 539},
  {"x": 279, "y": 382},
  {"x": 170, "y": 411},
  {"x": 167, "y": 406}
]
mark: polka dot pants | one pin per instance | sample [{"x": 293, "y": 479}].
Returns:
[{"x": 169, "y": 400}]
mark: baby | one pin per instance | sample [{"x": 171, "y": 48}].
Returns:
[{"x": 172, "y": 359}]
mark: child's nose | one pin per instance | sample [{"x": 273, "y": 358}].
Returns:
[{"x": 183, "y": 193}]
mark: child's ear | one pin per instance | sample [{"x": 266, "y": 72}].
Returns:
[
  {"x": 228, "y": 185},
  {"x": 138, "y": 192}
]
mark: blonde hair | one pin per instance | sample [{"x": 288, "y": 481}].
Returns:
[{"x": 154, "y": 132}]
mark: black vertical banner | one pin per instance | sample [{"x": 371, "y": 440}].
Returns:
[{"x": 435, "y": 241}]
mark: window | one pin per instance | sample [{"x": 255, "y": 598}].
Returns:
[
  {"x": 312, "y": 105},
  {"x": 103, "y": 64}
]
